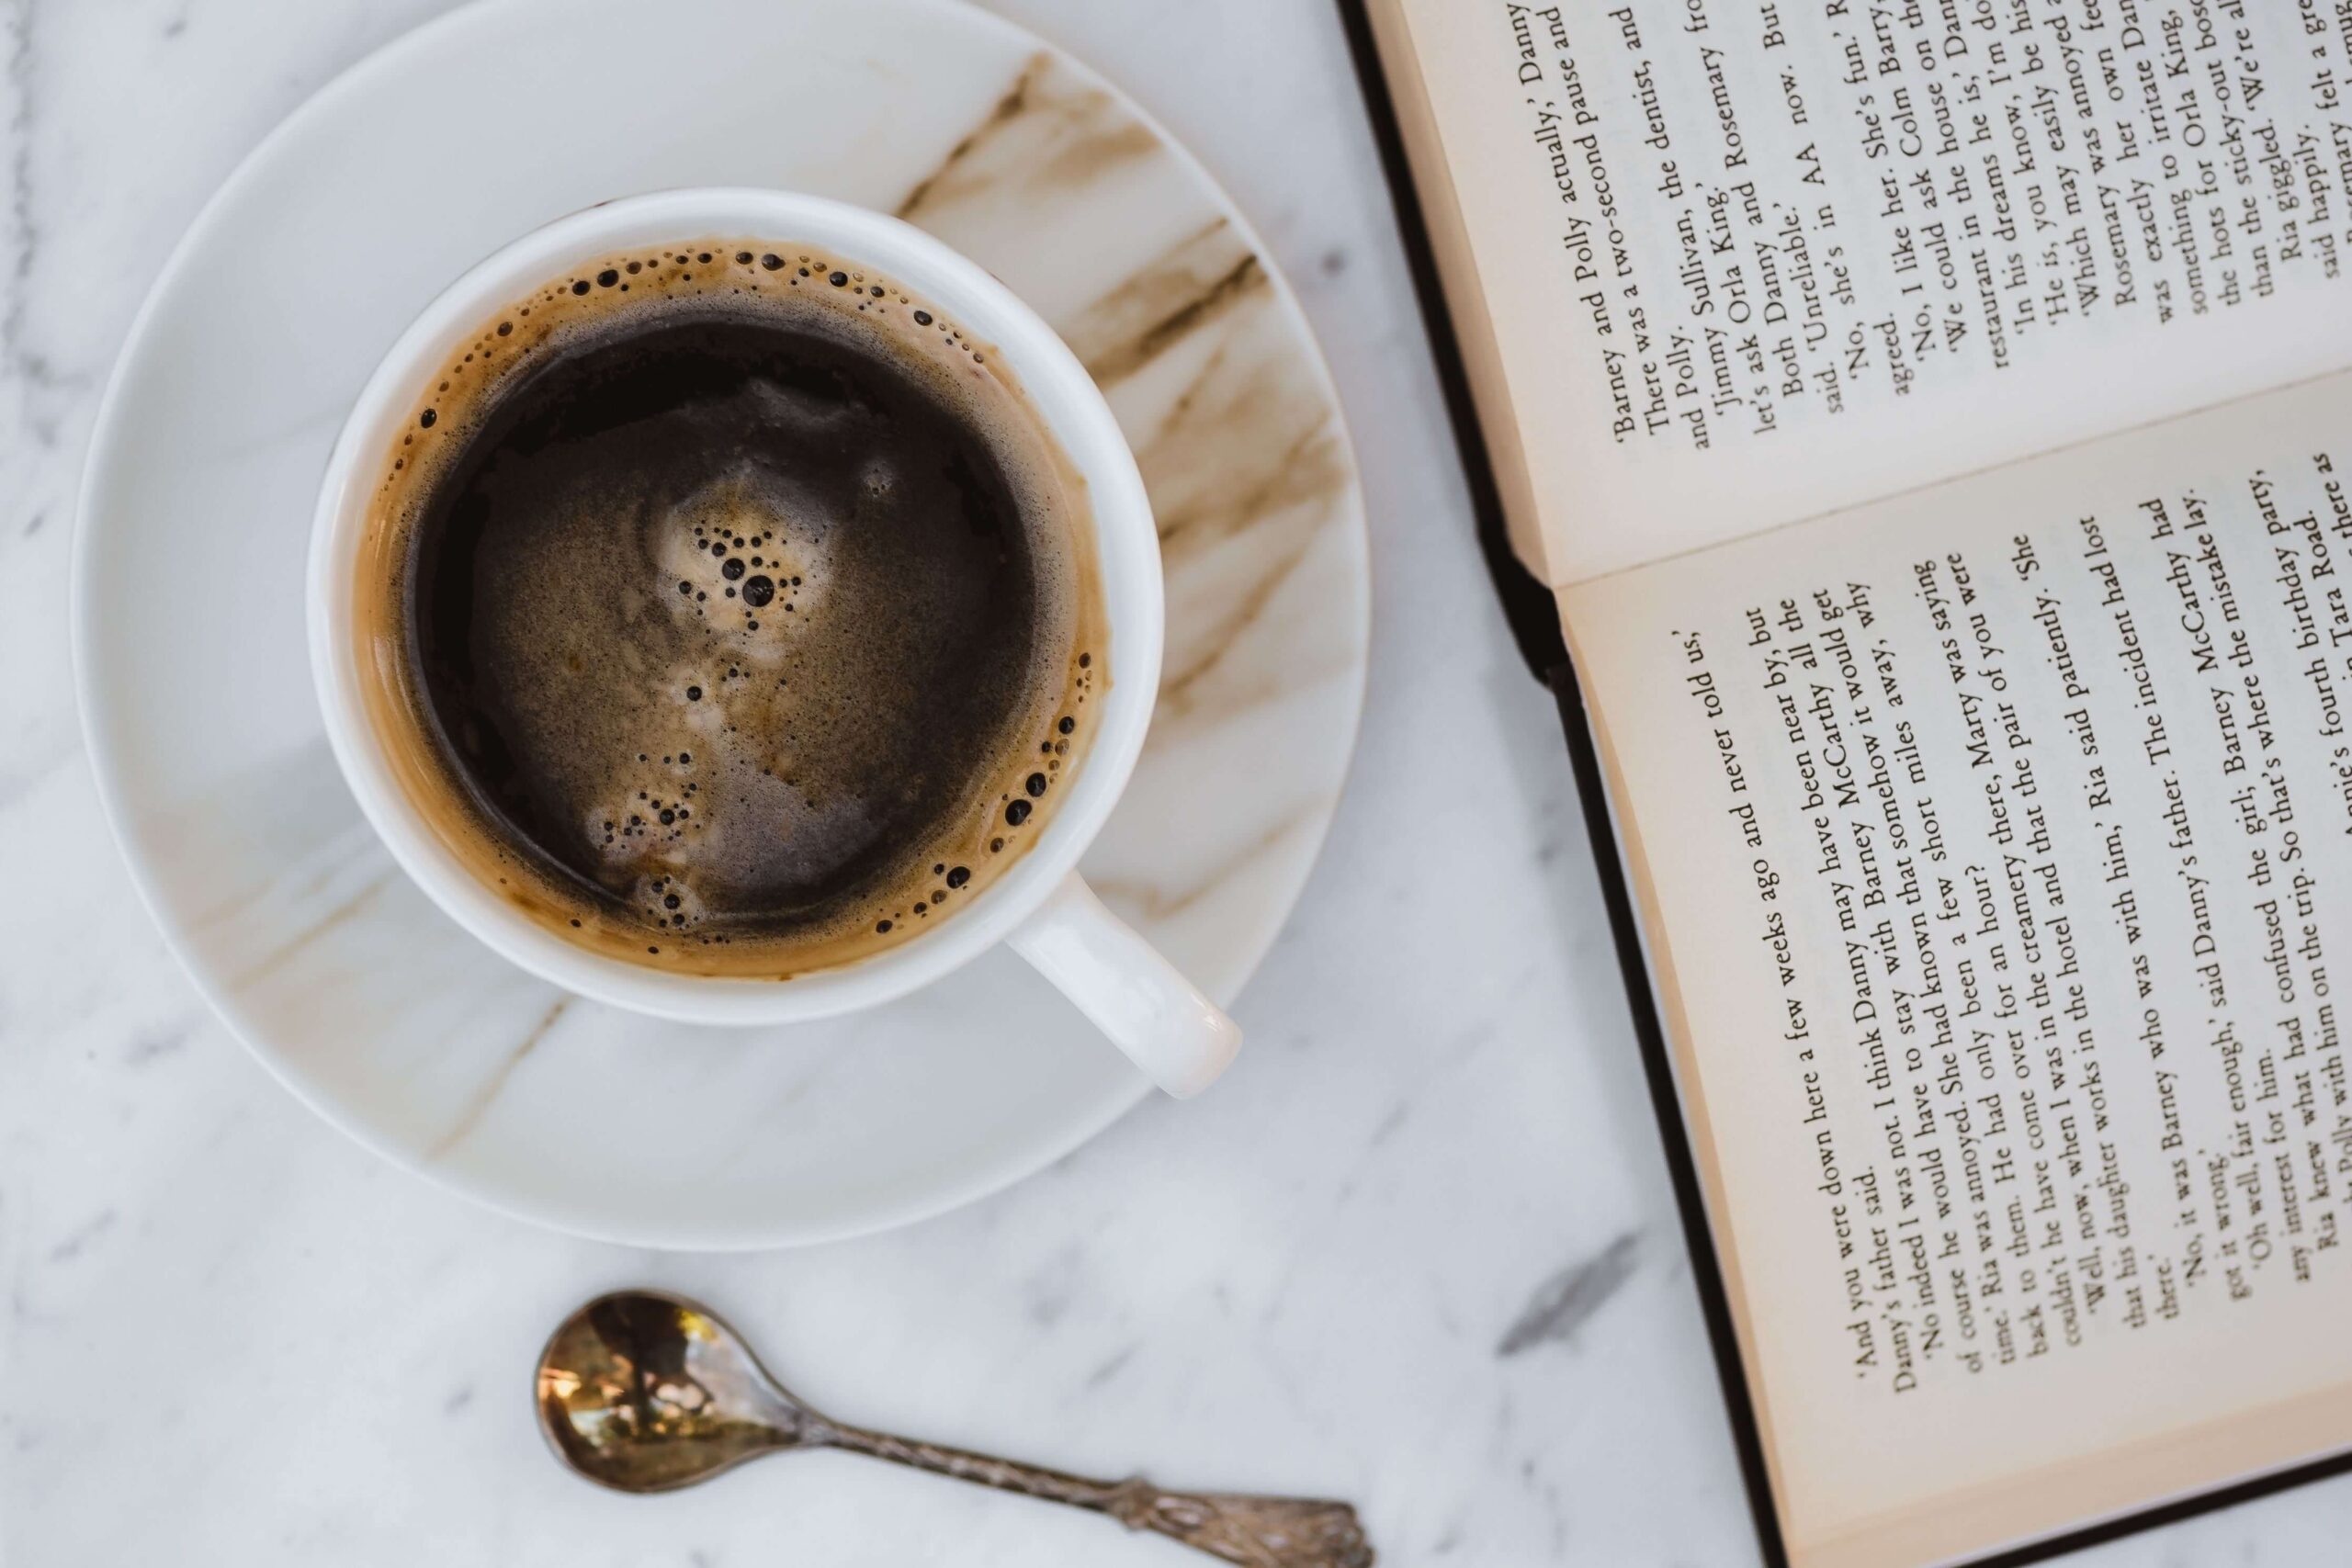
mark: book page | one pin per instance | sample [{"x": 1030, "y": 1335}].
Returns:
[
  {"x": 1721, "y": 266},
  {"x": 1995, "y": 843}
]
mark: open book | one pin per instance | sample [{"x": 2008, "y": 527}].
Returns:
[{"x": 1934, "y": 424}]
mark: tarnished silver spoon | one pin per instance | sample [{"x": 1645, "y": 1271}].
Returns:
[{"x": 643, "y": 1392}]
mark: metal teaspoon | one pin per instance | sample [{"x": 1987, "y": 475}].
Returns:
[{"x": 643, "y": 1392}]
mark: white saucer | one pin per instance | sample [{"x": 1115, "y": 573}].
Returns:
[{"x": 371, "y": 1005}]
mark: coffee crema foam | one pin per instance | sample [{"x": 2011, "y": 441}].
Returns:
[{"x": 729, "y": 610}]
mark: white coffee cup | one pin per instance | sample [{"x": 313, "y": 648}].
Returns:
[{"x": 1039, "y": 905}]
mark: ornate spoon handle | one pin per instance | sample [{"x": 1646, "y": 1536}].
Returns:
[{"x": 1252, "y": 1532}]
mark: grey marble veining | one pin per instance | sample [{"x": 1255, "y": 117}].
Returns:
[{"x": 1417, "y": 1251}]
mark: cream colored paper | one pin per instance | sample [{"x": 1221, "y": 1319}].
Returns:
[
  {"x": 1866, "y": 248},
  {"x": 2125, "y": 669}
]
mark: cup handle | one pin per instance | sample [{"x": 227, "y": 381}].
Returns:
[{"x": 1158, "y": 1018}]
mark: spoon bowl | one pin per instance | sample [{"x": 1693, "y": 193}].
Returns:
[{"x": 643, "y": 1392}]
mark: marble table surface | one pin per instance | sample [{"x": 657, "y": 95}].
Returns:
[{"x": 1418, "y": 1250}]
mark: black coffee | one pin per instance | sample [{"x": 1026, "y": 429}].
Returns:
[{"x": 743, "y": 617}]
